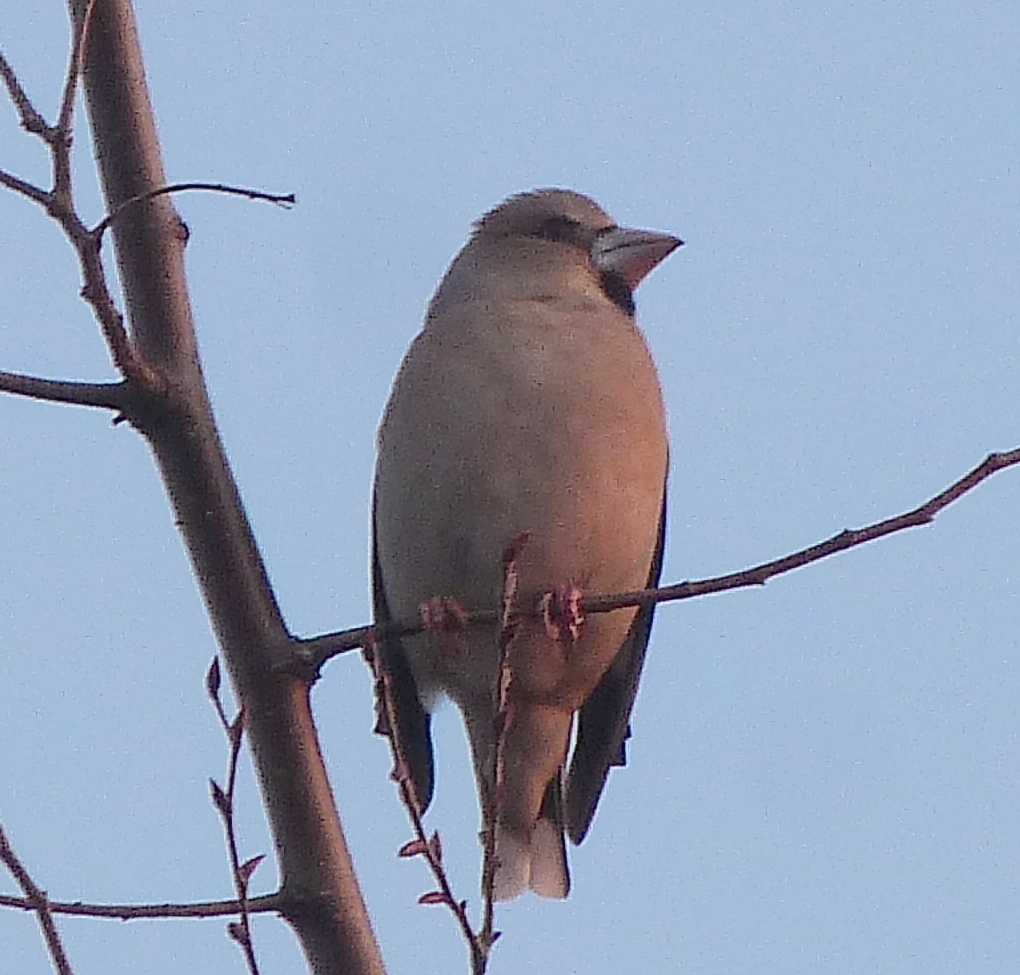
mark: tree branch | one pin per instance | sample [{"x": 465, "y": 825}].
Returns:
[
  {"x": 431, "y": 848},
  {"x": 61, "y": 135},
  {"x": 165, "y": 398},
  {"x": 315, "y": 651},
  {"x": 36, "y": 900},
  {"x": 287, "y": 200},
  {"x": 320, "y": 891},
  {"x": 25, "y": 188},
  {"x": 31, "y": 120},
  {"x": 270, "y": 903},
  {"x": 110, "y": 396}
]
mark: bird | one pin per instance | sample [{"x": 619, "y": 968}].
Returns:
[{"x": 528, "y": 408}]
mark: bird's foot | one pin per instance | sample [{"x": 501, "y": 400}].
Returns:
[
  {"x": 443, "y": 614},
  {"x": 445, "y": 621},
  {"x": 562, "y": 613}
]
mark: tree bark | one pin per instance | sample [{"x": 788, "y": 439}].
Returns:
[{"x": 324, "y": 900}]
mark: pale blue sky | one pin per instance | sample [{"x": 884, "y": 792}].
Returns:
[{"x": 825, "y": 773}]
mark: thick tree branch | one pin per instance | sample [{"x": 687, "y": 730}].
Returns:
[
  {"x": 313, "y": 652},
  {"x": 110, "y": 396},
  {"x": 164, "y": 396},
  {"x": 25, "y": 188},
  {"x": 159, "y": 360}
]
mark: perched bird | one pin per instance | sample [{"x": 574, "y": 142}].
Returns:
[{"x": 528, "y": 403}]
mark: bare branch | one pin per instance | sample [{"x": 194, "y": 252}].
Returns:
[
  {"x": 849, "y": 538},
  {"x": 59, "y": 203},
  {"x": 240, "y": 930},
  {"x": 270, "y": 903},
  {"x": 65, "y": 117},
  {"x": 285, "y": 201},
  {"x": 315, "y": 651},
  {"x": 33, "y": 192},
  {"x": 38, "y": 902},
  {"x": 31, "y": 120},
  {"x": 160, "y": 363},
  {"x": 95, "y": 291},
  {"x": 429, "y": 848},
  {"x": 509, "y": 621},
  {"x": 110, "y": 396}
]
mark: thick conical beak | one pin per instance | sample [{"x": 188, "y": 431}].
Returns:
[{"x": 631, "y": 254}]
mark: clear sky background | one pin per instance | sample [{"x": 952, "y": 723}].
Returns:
[{"x": 825, "y": 772}]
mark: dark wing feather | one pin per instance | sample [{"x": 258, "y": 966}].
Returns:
[
  {"x": 604, "y": 719},
  {"x": 413, "y": 721}
]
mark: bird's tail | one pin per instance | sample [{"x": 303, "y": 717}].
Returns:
[{"x": 536, "y": 861}]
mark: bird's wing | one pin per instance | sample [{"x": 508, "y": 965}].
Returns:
[
  {"x": 604, "y": 719},
  {"x": 413, "y": 735}
]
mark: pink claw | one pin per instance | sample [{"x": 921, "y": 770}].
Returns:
[
  {"x": 443, "y": 614},
  {"x": 562, "y": 613}
]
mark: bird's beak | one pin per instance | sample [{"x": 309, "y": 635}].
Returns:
[{"x": 631, "y": 254}]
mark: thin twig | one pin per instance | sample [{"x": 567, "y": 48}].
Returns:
[
  {"x": 422, "y": 845},
  {"x": 849, "y": 538},
  {"x": 39, "y": 903},
  {"x": 31, "y": 120},
  {"x": 274, "y": 903},
  {"x": 315, "y": 651},
  {"x": 65, "y": 116},
  {"x": 287, "y": 200},
  {"x": 239, "y": 931},
  {"x": 59, "y": 204},
  {"x": 509, "y": 621},
  {"x": 60, "y": 140}
]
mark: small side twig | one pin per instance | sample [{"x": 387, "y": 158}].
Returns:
[
  {"x": 223, "y": 800},
  {"x": 59, "y": 204},
  {"x": 59, "y": 137},
  {"x": 509, "y": 620},
  {"x": 31, "y": 121},
  {"x": 39, "y": 902},
  {"x": 422, "y": 845},
  {"x": 315, "y": 651},
  {"x": 281, "y": 200}
]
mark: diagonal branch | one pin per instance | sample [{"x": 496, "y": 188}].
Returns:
[
  {"x": 38, "y": 902},
  {"x": 62, "y": 134},
  {"x": 431, "y": 848},
  {"x": 65, "y": 117},
  {"x": 315, "y": 651},
  {"x": 849, "y": 538},
  {"x": 31, "y": 120},
  {"x": 324, "y": 903},
  {"x": 169, "y": 405},
  {"x": 59, "y": 202}
]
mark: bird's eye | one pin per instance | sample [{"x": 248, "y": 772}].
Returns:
[{"x": 561, "y": 229}]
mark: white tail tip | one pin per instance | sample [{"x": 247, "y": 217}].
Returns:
[{"x": 538, "y": 863}]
